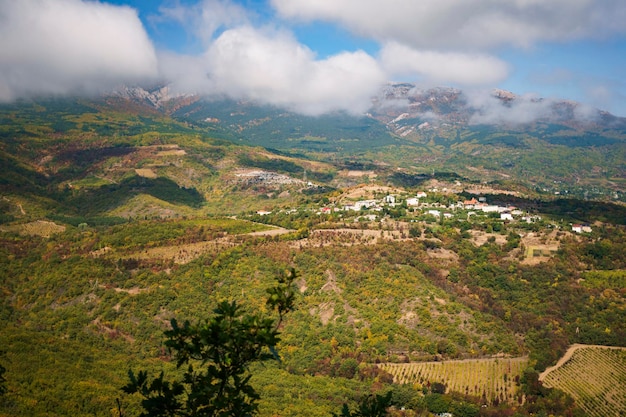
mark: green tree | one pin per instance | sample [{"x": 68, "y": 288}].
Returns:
[
  {"x": 217, "y": 354},
  {"x": 370, "y": 406}
]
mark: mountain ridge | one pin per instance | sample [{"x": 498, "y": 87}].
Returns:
[{"x": 551, "y": 146}]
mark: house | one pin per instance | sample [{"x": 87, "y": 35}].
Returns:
[
  {"x": 581, "y": 228},
  {"x": 364, "y": 204},
  {"x": 531, "y": 219},
  {"x": 412, "y": 202},
  {"x": 486, "y": 208},
  {"x": 360, "y": 204},
  {"x": 421, "y": 194},
  {"x": 506, "y": 216},
  {"x": 470, "y": 203},
  {"x": 435, "y": 213}
]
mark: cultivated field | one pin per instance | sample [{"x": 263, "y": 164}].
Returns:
[
  {"x": 495, "y": 380},
  {"x": 595, "y": 376}
]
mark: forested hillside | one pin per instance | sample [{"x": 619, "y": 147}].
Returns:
[{"x": 114, "y": 221}]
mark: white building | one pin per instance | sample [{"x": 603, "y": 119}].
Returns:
[
  {"x": 506, "y": 216},
  {"x": 581, "y": 228},
  {"x": 412, "y": 202}
]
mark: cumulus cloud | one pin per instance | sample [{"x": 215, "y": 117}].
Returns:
[
  {"x": 454, "y": 24},
  {"x": 271, "y": 66},
  {"x": 443, "y": 67},
  {"x": 70, "y": 46}
]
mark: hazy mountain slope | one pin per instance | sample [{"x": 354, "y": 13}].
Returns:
[
  {"x": 90, "y": 158},
  {"x": 554, "y": 145}
]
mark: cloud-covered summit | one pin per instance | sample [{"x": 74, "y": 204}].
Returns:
[{"x": 256, "y": 49}]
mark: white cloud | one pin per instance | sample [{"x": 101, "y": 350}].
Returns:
[
  {"x": 70, "y": 46},
  {"x": 272, "y": 67},
  {"x": 491, "y": 110},
  {"x": 443, "y": 67},
  {"x": 523, "y": 109},
  {"x": 205, "y": 18},
  {"x": 454, "y": 24}
]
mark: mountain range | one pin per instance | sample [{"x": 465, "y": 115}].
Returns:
[
  {"x": 549, "y": 146},
  {"x": 482, "y": 136}
]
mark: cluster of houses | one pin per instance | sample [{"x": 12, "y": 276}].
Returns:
[
  {"x": 506, "y": 213},
  {"x": 470, "y": 207}
]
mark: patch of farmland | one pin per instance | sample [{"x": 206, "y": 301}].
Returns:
[
  {"x": 186, "y": 252},
  {"x": 595, "y": 376},
  {"x": 495, "y": 380},
  {"x": 41, "y": 228}
]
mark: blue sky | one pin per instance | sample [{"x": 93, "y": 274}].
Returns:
[{"x": 315, "y": 56}]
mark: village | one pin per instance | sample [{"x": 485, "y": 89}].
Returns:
[{"x": 432, "y": 205}]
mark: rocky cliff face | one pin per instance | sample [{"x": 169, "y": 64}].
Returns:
[
  {"x": 407, "y": 109},
  {"x": 161, "y": 97}
]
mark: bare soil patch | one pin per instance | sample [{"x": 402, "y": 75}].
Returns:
[
  {"x": 172, "y": 152},
  {"x": 479, "y": 238},
  {"x": 185, "y": 253},
  {"x": 146, "y": 173}
]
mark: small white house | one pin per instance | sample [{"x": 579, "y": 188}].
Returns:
[
  {"x": 361, "y": 204},
  {"x": 412, "y": 202},
  {"x": 435, "y": 213},
  {"x": 490, "y": 209},
  {"x": 581, "y": 228},
  {"x": 506, "y": 216}
]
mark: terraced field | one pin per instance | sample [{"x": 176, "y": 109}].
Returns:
[
  {"x": 595, "y": 376},
  {"x": 495, "y": 380}
]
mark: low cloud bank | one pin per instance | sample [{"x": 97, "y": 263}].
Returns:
[
  {"x": 59, "y": 47},
  {"x": 272, "y": 67},
  {"x": 516, "y": 110}
]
